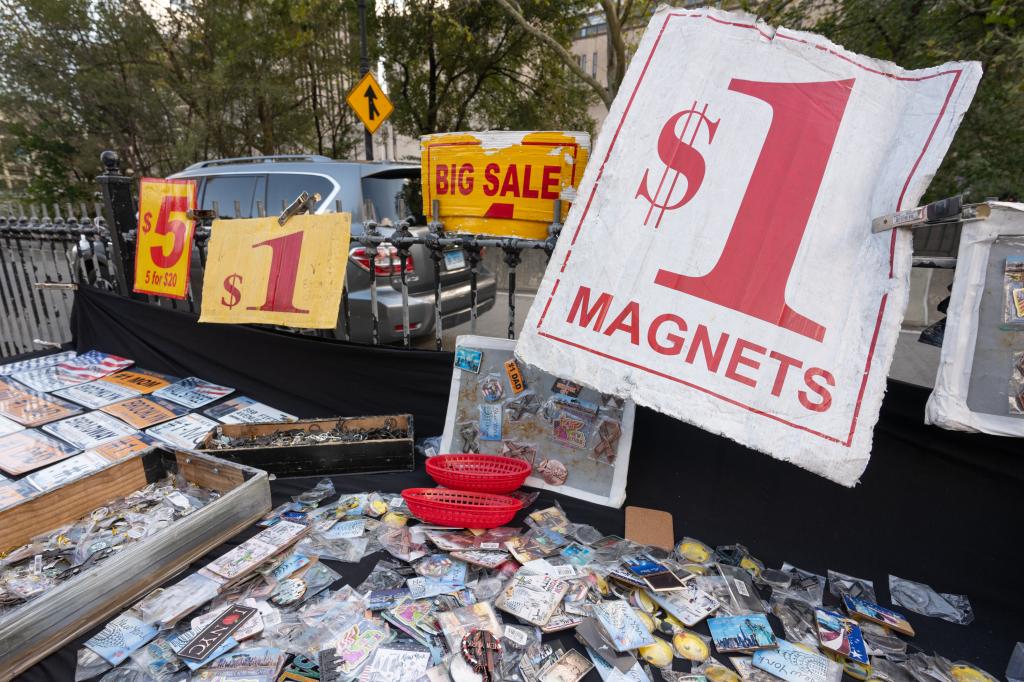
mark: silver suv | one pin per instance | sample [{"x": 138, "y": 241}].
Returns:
[{"x": 369, "y": 190}]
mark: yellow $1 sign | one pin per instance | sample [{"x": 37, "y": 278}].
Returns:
[{"x": 260, "y": 272}]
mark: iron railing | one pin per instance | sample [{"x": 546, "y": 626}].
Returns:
[{"x": 44, "y": 257}]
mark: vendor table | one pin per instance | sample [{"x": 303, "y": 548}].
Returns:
[{"x": 934, "y": 506}]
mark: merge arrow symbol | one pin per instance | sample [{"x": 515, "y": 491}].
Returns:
[{"x": 370, "y": 96}]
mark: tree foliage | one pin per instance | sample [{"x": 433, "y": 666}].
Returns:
[
  {"x": 466, "y": 64},
  {"x": 984, "y": 159},
  {"x": 623, "y": 20},
  {"x": 210, "y": 78}
]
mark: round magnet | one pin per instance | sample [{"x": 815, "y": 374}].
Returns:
[
  {"x": 644, "y": 602},
  {"x": 719, "y": 673},
  {"x": 645, "y": 619},
  {"x": 289, "y": 591},
  {"x": 693, "y": 550},
  {"x": 751, "y": 566},
  {"x": 691, "y": 647},
  {"x": 492, "y": 389},
  {"x": 658, "y": 654},
  {"x": 962, "y": 672}
]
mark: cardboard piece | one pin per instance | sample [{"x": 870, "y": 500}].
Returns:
[{"x": 650, "y": 527}]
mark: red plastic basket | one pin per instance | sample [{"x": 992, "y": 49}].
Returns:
[
  {"x": 479, "y": 473},
  {"x": 460, "y": 508}
]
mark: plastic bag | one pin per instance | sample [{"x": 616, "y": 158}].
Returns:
[
  {"x": 922, "y": 599},
  {"x": 398, "y": 541},
  {"x": 89, "y": 664},
  {"x": 805, "y": 586},
  {"x": 840, "y": 584},
  {"x": 312, "y": 497},
  {"x": 428, "y": 447},
  {"x": 797, "y": 619},
  {"x": 178, "y": 600},
  {"x": 158, "y": 660}
]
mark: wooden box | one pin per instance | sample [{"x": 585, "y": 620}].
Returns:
[
  {"x": 33, "y": 630},
  {"x": 326, "y": 459}
]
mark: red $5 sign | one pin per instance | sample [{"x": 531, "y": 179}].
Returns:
[{"x": 163, "y": 248}]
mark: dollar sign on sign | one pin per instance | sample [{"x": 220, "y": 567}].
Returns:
[
  {"x": 229, "y": 285},
  {"x": 679, "y": 156}
]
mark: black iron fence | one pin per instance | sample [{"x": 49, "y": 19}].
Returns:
[{"x": 47, "y": 252}]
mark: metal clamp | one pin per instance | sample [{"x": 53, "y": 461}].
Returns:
[
  {"x": 949, "y": 211},
  {"x": 303, "y": 204}
]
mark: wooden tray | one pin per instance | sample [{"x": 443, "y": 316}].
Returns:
[
  {"x": 327, "y": 459},
  {"x": 30, "y": 632}
]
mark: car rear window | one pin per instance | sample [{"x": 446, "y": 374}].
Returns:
[
  {"x": 284, "y": 188},
  {"x": 225, "y": 190}
]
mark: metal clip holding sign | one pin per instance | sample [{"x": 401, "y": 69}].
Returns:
[
  {"x": 949, "y": 211},
  {"x": 302, "y": 204}
]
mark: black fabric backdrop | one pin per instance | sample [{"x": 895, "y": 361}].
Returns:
[{"x": 934, "y": 506}]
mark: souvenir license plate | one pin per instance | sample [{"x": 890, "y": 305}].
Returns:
[{"x": 454, "y": 260}]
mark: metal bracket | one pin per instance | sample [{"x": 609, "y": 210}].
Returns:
[
  {"x": 70, "y": 286},
  {"x": 949, "y": 211},
  {"x": 199, "y": 214},
  {"x": 303, "y": 204}
]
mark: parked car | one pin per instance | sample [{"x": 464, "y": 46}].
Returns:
[{"x": 370, "y": 190}]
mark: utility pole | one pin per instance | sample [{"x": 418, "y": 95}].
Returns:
[{"x": 364, "y": 67}]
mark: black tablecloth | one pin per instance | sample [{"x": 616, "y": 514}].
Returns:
[{"x": 934, "y": 506}]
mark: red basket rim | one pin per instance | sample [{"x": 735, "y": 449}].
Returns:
[
  {"x": 491, "y": 502},
  {"x": 440, "y": 463}
]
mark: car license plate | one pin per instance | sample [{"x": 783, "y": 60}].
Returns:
[{"x": 454, "y": 260}]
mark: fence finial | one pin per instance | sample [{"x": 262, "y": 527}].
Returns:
[{"x": 111, "y": 162}]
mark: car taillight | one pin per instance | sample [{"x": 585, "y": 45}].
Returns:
[{"x": 386, "y": 262}]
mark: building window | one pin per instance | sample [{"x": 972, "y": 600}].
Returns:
[
  {"x": 583, "y": 62},
  {"x": 593, "y": 66}
]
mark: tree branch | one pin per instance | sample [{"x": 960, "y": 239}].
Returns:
[{"x": 562, "y": 53}]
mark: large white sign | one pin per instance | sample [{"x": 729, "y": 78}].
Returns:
[{"x": 719, "y": 264}]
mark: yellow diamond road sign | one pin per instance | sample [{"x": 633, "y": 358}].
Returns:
[{"x": 369, "y": 102}]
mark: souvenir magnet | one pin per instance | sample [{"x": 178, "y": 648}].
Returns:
[
  {"x": 690, "y": 646},
  {"x": 566, "y": 387},
  {"x": 492, "y": 389},
  {"x": 515, "y": 376},
  {"x": 468, "y": 359},
  {"x": 482, "y": 650},
  {"x": 490, "y": 422},
  {"x": 569, "y": 430},
  {"x": 289, "y": 591},
  {"x": 658, "y": 654},
  {"x": 553, "y": 472}
]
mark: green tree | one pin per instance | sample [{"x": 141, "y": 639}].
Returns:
[
  {"x": 622, "y": 19},
  {"x": 984, "y": 159},
  {"x": 466, "y": 64},
  {"x": 209, "y": 78}
]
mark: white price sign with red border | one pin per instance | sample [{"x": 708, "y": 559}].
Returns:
[{"x": 718, "y": 264}]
